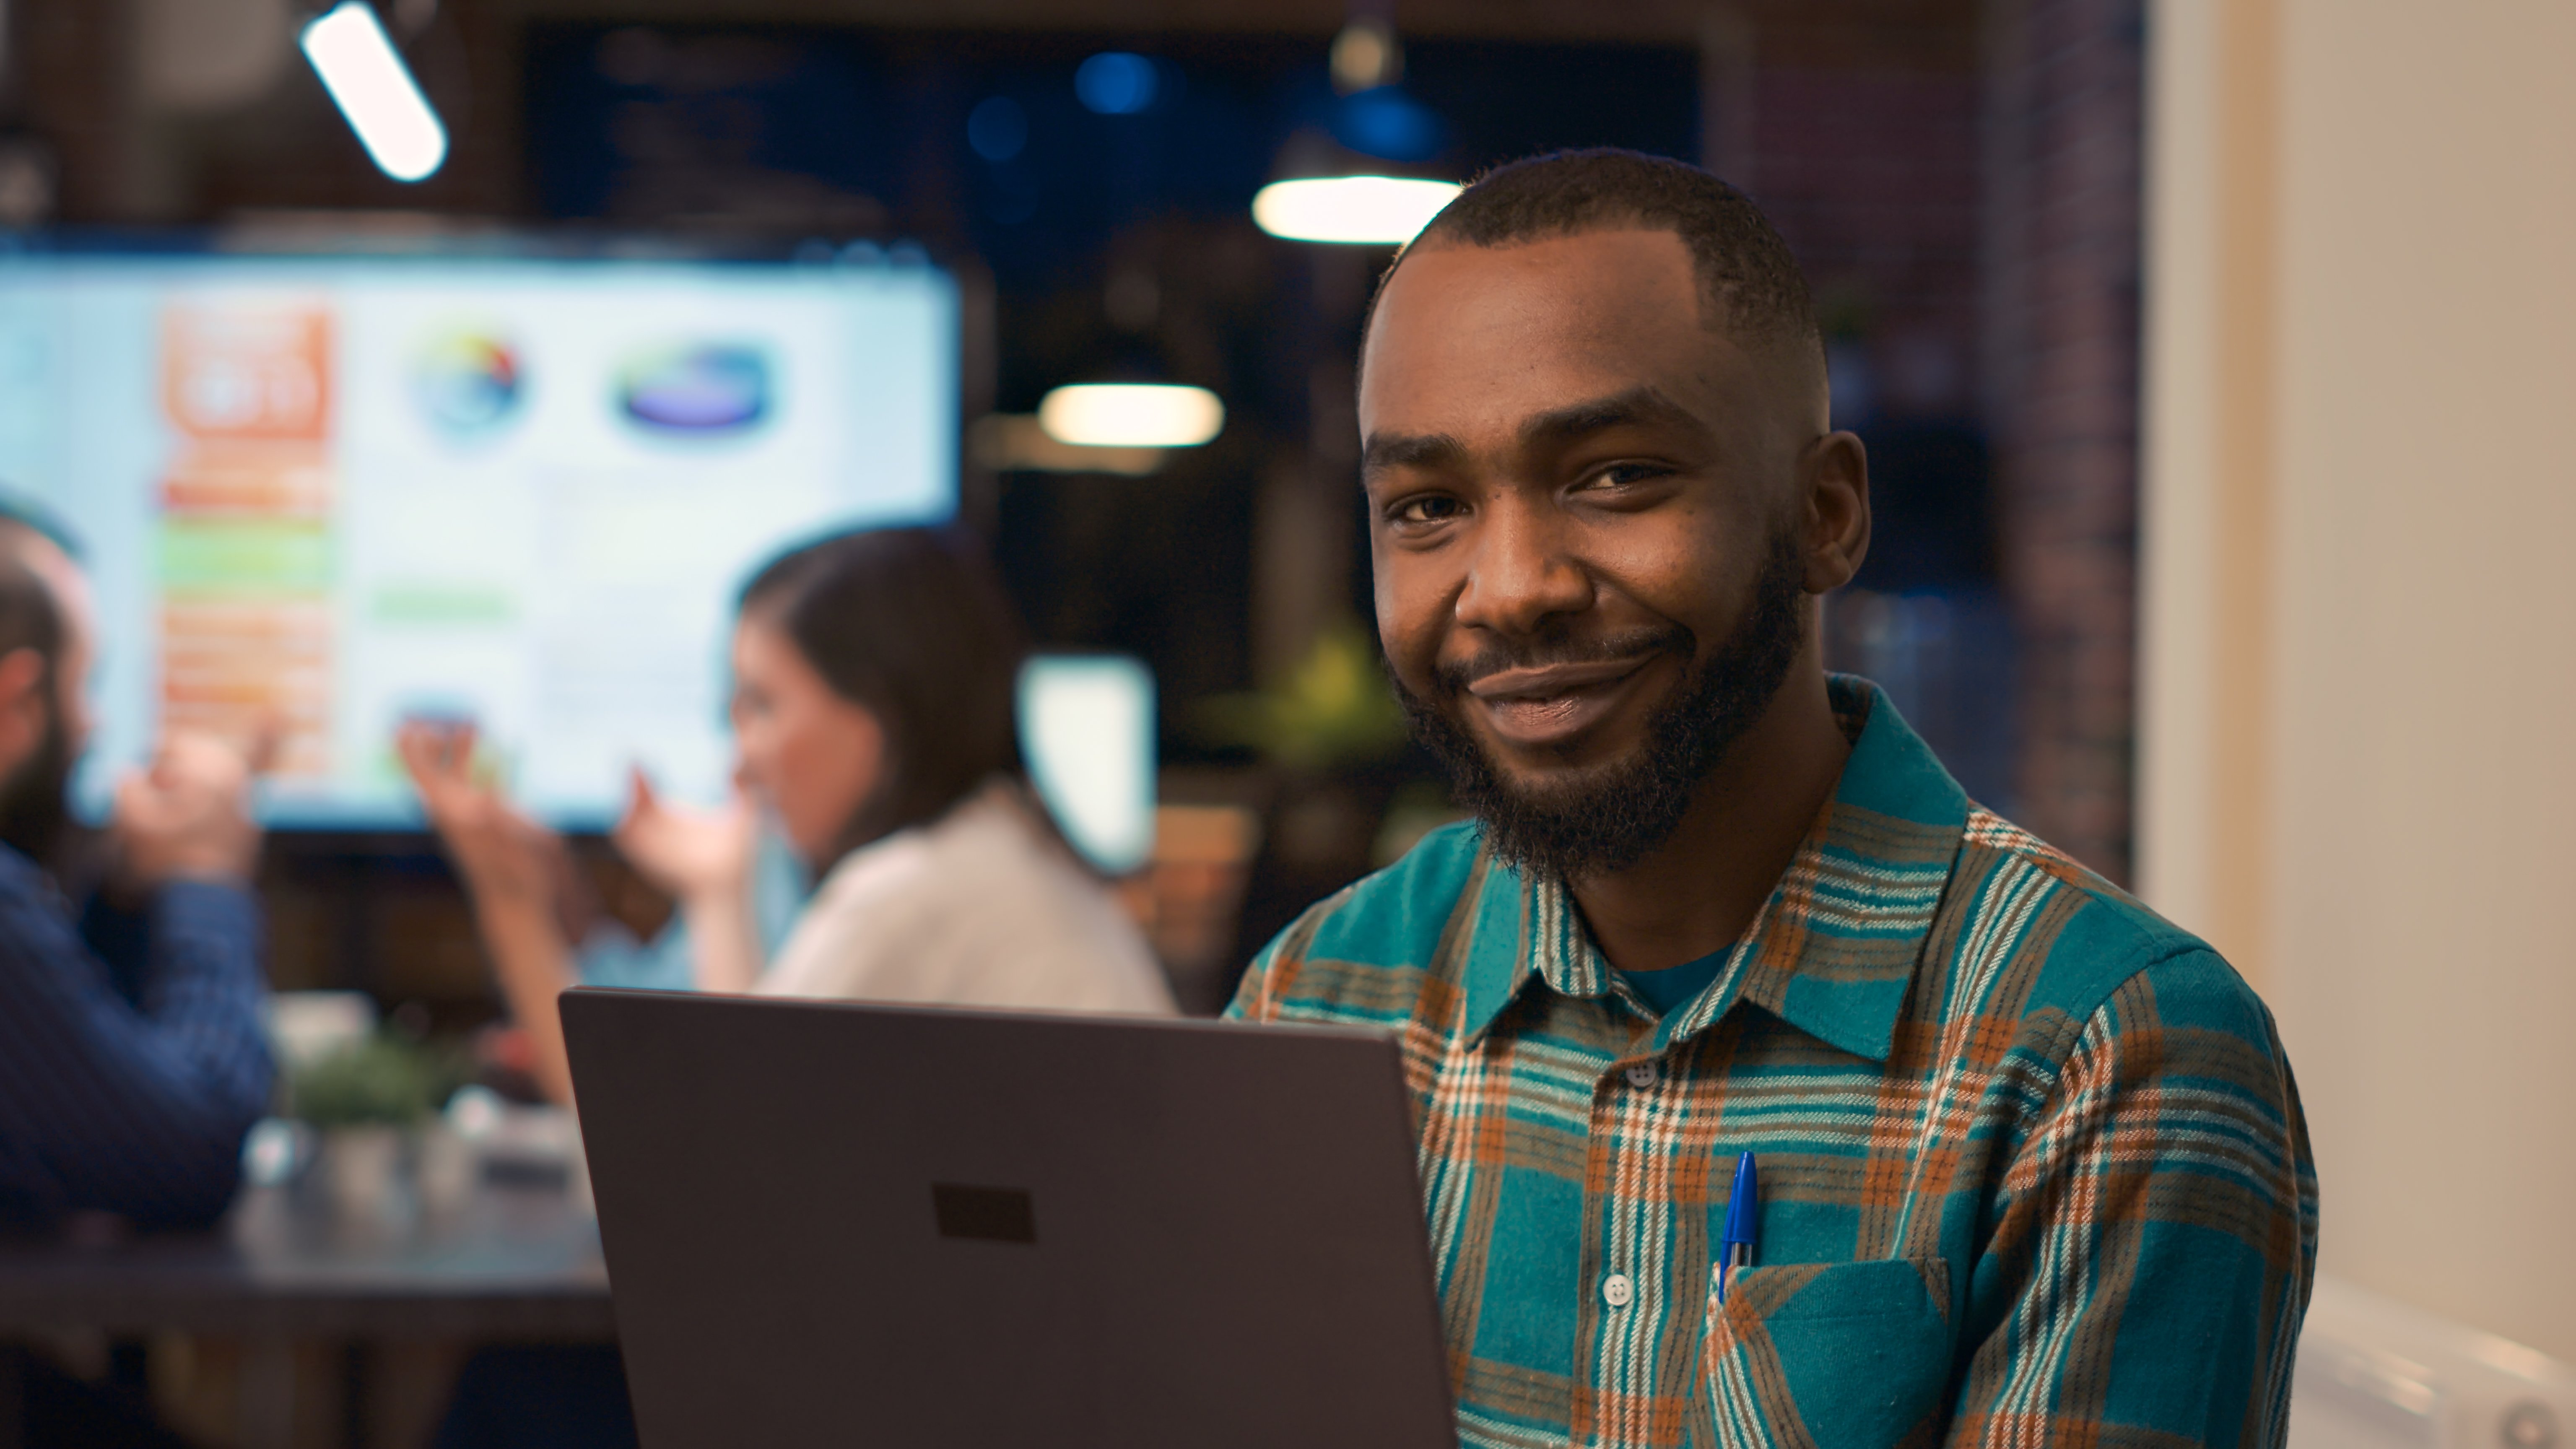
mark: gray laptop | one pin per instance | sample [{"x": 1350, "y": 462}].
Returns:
[{"x": 838, "y": 1224}]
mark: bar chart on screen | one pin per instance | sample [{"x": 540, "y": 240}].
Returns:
[{"x": 244, "y": 554}]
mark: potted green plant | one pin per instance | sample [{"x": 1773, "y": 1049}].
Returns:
[
  {"x": 1330, "y": 735},
  {"x": 364, "y": 1103},
  {"x": 1331, "y": 713}
]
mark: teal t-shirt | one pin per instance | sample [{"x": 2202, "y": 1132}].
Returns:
[{"x": 1674, "y": 985}]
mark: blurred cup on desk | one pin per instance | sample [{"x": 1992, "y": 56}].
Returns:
[
  {"x": 510, "y": 1145},
  {"x": 275, "y": 1150},
  {"x": 446, "y": 1164}
]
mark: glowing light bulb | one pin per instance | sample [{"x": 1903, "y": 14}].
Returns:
[
  {"x": 1131, "y": 415},
  {"x": 1385, "y": 210},
  {"x": 374, "y": 90}
]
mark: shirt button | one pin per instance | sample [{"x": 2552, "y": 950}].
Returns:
[
  {"x": 1643, "y": 1074},
  {"x": 1616, "y": 1290}
]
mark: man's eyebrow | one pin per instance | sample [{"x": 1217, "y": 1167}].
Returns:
[
  {"x": 1643, "y": 404},
  {"x": 1409, "y": 450},
  {"x": 1638, "y": 405}
]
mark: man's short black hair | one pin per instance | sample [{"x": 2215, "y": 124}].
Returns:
[{"x": 1749, "y": 280}]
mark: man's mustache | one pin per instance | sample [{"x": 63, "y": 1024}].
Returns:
[{"x": 1455, "y": 678}]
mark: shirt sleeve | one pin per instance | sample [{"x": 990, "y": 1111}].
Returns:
[
  {"x": 2155, "y": 1236},
  {"x": 137, "y": 1109}
]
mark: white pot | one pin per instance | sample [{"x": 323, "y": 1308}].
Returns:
[{"x": 362, "y": 1169}]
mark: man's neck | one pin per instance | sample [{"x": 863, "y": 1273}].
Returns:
[{"x": 1698, "y": 891}]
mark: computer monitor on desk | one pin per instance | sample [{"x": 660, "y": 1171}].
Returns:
[{"x": 335, "y": 491}]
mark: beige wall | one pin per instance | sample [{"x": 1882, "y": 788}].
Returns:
[{"x": 2358, "y": 765}]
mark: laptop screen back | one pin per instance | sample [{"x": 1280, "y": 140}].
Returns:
[{"x": 830, "y": 1223}]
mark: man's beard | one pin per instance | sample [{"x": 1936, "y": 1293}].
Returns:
[
  {"x": 1606, "y": 818},
  {"x": 35, "y": 815}
]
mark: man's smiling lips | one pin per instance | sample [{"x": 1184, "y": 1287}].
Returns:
[{"x": 1549, "y": 704}]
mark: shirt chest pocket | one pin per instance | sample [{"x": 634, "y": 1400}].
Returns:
[{"x": 1829, "y": 1355}]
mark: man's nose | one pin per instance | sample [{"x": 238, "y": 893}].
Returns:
[{"x": 1523, "y": 573}]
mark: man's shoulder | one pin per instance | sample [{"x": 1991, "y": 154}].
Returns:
[
  {"x": 1395, "y": 916},
  {"x": 2086, "y": 944},
  {"x": 18, "y": 874},
  {"x": 1365, "y": 948}
]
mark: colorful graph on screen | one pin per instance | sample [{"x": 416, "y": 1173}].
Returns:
[
  {"x": 245, "y": 548},
  {"x": 468, "y": 383},
  {"x": 322, "y": 494}
]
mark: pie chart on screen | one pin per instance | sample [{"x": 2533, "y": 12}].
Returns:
[
  {"x": 702, "y": 388},
  {"x": 468, "y": 383}
]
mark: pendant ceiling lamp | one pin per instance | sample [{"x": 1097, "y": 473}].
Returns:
[
  {"x": 1366, "y": 210},
  {"x": 1356, "y": 180},
  {"x": 1131, "y": 415}
]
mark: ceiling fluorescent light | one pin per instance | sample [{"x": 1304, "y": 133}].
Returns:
[
  {"x": 374, "y": 90},
  {"x": 1384, "y": 210},
  {"x": 1131, "y": 415}
]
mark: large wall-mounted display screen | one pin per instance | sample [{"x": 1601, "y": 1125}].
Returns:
[{"x": 325, "y": 494}]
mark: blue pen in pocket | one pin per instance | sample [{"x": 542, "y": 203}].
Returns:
[{"x": 1743, "y": 1214}]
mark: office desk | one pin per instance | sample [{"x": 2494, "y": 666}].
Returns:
[{"x": 509, "y": 1263}]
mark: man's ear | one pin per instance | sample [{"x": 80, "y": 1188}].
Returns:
[
  {"x": 23, "y": 713},
  {"x": 1834, "y": 476}
]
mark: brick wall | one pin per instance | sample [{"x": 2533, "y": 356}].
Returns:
[
  {"x": 1972, "y": 196},
  {"x": 67, "y": 80},
  {"x": 2060, "y": 372},
  {"x": 1872, "y": 174}
]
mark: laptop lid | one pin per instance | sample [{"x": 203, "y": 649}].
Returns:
[{"x": 830, "y": 1223}]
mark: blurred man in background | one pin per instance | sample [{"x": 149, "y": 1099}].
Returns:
[{"x": 132, "y": 1057}]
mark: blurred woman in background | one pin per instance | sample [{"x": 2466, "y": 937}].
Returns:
[{"x": 874, "y": 692}]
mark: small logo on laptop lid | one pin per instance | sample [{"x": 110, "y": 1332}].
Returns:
[{"x": 993, "y": 1214}]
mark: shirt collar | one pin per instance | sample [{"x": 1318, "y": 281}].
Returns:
[{"x": 1832, "y": 952}]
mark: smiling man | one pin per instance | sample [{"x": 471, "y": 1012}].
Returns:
[{"x": 2032, "y": 1168}]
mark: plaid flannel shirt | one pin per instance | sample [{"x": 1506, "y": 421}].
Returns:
[{"x": 2032, "y": 1164}]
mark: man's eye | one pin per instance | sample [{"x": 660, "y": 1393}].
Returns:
[
  {"x": 1623, "y": 475},
  {"x": 1430, "y": 508}
]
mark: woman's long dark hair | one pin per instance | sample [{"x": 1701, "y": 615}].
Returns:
[{"x": 912, "y": 625}]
